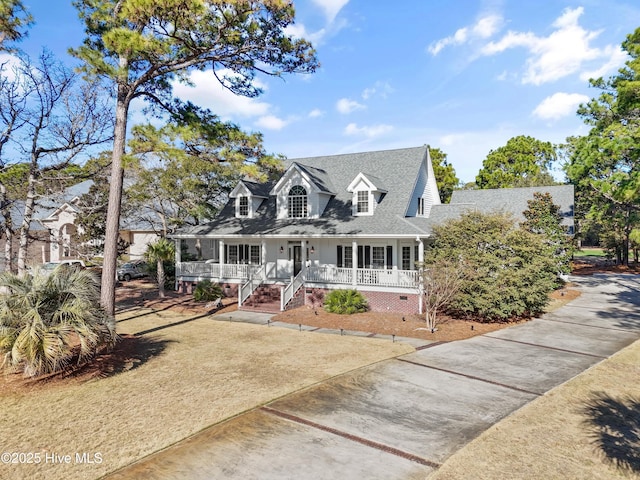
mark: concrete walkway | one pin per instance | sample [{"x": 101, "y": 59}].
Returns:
[{"x": 400, "y": 419}]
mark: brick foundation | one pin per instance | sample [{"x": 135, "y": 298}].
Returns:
[
  {"x": 393, "y": 302},
  {"x": 378, "y": 301}
]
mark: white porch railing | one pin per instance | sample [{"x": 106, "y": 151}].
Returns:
[
  {"x": 329, "y": 275},
  {"x": 364, "y": 276},
  {"x": 216, "y": 270},
  {"x": 287, "y": 293},
  {"x": 254, "y": 282},
  {"x": 388, "y": 278},
  {"x": 313, "y": 274}
]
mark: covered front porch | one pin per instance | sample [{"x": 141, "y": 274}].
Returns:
[{"x": 245, "y": 264}]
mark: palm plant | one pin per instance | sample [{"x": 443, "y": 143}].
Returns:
[
  {"x": 161, "y": 251},
  {"x": 44, "y": 318}
]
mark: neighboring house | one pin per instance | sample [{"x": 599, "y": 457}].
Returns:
[
  {"x": 53, "y": 229},
  {"x": 346, "y": 221}
]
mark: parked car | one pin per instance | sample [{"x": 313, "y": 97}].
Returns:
[
  {"x": 47, "y": 268},
  {"x": 132, "y": 270}
]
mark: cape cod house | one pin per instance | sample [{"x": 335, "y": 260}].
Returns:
[{"x": 357, "y": 220}]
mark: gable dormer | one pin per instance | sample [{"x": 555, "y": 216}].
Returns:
[
  {"x": 247, "y": 199},
  {"x": 302, "y": 192},
  {"x": 367, "y": 192}
]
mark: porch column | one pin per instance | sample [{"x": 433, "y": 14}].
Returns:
[
  {"x": 354, "y": 256},
  {"x": 263, "y": 253},
  {"x": 420, "y": 279},
  {"x": 221, "y": 259},
  {"x": 178, "y": 255},
  {"x": 303, "y": 246}
]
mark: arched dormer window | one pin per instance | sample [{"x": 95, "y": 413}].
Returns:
[{"x": 297, "y": 202}]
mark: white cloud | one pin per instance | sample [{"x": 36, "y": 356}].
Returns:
[
  {"x": 208, "y": 93},
  {"x": 382, "y": 89},
  {"x": 271, "y": 122},
  {"x": 298, "y": 30},
  {"x": 346, "y": 105},
  {"x": 316, "y": 113},
  {"x": 562, "y": 53},
  {"x": 616, "y": 57},
  {"x": 331, "y": 8},
  {"x": 559, "y": 105},
  {"x": 367, "y": 131},
  {"x": 487, "y": 26},
  {"x": 9, "y": 63},
  {"x": 484, "y": 28}
]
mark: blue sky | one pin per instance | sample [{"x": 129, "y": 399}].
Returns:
[{"x": 463, "y": 76}]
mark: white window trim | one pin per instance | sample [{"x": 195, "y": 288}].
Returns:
[
  {"x": 370, "y": 203},
  {"x": 239, "y": 206},
  {"x": 302, "y": 199}
]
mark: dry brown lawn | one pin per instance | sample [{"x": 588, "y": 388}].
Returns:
[
  {"x": 588, "y": 428},
  {"x": 167, "y": 384}
]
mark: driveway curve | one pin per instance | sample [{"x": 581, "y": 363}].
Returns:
[{"x": 402, "y": 418}]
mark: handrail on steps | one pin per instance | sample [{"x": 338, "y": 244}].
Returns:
[
  {"x": 288, "y": 292},
  {"x": 250, "y": 286}
]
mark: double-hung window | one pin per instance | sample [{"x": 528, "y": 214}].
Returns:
[
  {"x": 362, "y": 205},
  {"x": 243, "y": 206}
]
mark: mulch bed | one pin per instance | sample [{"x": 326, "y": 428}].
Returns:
[{"x": 589, "y": 266}]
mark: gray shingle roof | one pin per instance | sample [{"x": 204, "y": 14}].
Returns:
[
  {"x": 397, "y": 169},
  {"x": 515, "y": 200},
  {"x": 319, "y": 177},
  {"x": 258, "y": 189}
]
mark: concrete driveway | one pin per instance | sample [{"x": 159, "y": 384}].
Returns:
[{"x": 400, "y": 419}]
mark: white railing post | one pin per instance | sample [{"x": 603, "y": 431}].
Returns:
[
  {"x": 282, "y": 299},
  {"x": 354, "y": 258}
]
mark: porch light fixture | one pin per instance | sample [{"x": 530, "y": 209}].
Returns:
[
  {"x": 313, "y": 250},
  {"x": 281, "y": 249}
]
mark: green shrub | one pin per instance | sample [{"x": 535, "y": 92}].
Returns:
[
  {"x": 206, "y": 291},
  {"x": 508, "y": 271},
  {"x": 345, "y": 302}
]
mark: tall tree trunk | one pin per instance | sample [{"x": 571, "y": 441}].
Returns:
[
  {"x": 161, "y": 278},
  {"x": 5, "y": 211},
  {"x": 625, "y": 240},
  {"x": 29, "y": 206},
  {"x": 112, "y": 231},
  {"x": 8, "y": 245}
]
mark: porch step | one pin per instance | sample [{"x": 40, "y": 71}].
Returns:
[
  {"x": 272, "y": 307},
  {"x": 266, "y": 298}
]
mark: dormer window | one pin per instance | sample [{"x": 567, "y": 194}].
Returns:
[
  {"x": 297, "y": 202},
  {"x": 362, "y": 202},
  {"x": 243, "y": 206},
  {"x": 367, "y": 193}
]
